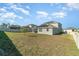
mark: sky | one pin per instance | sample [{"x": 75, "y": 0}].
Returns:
[{"x": 38, "y": 13}]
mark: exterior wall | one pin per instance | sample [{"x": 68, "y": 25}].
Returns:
[
  {"x": 44, "y": 31},
  {"x": 68, "y": 31},
  {"x": 57, "y": 31},
  {"x": 52, "y": 31},
  {"x": 58, "y": 28}
]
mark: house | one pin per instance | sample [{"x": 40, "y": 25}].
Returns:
[
  {"x": 14, "y": 28},
  {"x": 3, "y": 27},
  {"x": 69, "y": 30},
  {"x": 50, "y": 28},
  {"x": 9, "y": 28},
  {"x": 32, "y": 28}
]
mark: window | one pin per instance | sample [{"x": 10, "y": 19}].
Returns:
[
  {"x": 47, "y": 29},
  {"x": 40, "y": 29}
]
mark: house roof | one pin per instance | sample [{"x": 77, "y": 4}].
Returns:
[
  {"x": 51, "y": 22},
  {"x": 47, "y": 24}
]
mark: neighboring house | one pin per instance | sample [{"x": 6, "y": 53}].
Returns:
[
  {"x": 14, "y": 28},
  {"x": 3, "y": 27},
  {"x": 32, "y": 28},
  {"x": 50, "y": 28},
  {"x": 9, "y": 28},
  {"x": 69, "y": 30}
]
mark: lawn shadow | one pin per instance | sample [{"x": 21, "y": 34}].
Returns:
[{"x": 7, "y": 48}]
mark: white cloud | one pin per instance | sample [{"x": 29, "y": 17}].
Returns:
[
  {"x": 42, "y": 14},
  {"x": 10, "y": 17},
  {"x": 45, "y": 15},
  {"x": 28, "y": 7},
  {"x": 26, "y": 12},
  {"x": 2, "y": 10},
  {"x": 72, "y": 6},
  {"x": 59, "y": 14}
]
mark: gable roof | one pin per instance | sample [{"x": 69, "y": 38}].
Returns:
[
  {"x": 47, "y": 24},
  {"x": 51, "y": 22}
]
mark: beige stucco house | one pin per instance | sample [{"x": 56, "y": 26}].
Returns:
[{"x": 50, "y": 28}]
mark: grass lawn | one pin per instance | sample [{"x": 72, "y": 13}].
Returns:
[{"x": 39, "y": 44}]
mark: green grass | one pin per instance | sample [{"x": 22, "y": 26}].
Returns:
[{"x": 43, "y": 45}]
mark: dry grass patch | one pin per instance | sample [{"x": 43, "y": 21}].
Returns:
[{"x": 39, "y": 44}]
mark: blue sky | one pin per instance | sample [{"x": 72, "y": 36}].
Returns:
[{"x": 38, "y": 13}]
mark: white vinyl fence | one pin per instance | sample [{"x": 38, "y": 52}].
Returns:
[{"x": 76, "y": 38}]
